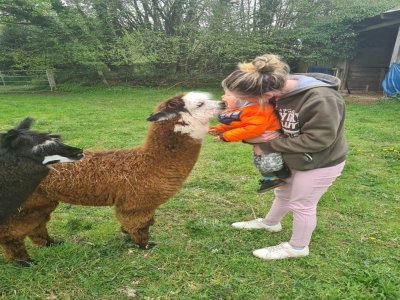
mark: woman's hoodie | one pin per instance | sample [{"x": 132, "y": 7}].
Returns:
[{"x": 312, "y": 117}]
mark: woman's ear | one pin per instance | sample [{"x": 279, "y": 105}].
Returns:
[
  {"x": 252, "y": 99},
  {"x": 268, "y": 95}
]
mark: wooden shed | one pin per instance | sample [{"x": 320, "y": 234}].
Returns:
[{"x": 378, "y": 47}]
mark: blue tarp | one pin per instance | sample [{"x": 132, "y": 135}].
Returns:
[{"x": 391, "y": 83}]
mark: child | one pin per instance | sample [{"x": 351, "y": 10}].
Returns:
[{"x": 253, "y": 122}]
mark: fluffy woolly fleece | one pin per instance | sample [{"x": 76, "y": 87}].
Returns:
[
  {"x": 24, "y": 156},
  {"x": 135, "y": 181}
]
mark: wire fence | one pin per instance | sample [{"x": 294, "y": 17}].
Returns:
[
  {"x": 14, "y": 81},
  {"x": 26, "y": 81}
]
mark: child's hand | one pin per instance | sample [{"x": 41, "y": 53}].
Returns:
[
  {"x": 217, "y": 135},
  {"x": 219, "y": 138},
  {"x": 216, "y": 138},
  {"x": 213, "y": 132},
  {"x": 257, "y": 150}
]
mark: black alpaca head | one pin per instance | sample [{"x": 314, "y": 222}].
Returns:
[
  {"x": 24, "y": 155},
  {"x": 23, "y": 143}
]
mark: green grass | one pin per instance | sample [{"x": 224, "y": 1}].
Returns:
[{"x": 355, "y": 252}]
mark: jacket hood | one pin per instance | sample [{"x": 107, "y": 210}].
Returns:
[{"x": 306, "y": 81}]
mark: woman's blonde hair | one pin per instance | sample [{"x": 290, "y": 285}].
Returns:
[{"x": 265, "y": 73}]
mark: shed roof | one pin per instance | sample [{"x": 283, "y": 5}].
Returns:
[
  {"x": 394, "y": 10},
  {"x": 389, "y": 18}
]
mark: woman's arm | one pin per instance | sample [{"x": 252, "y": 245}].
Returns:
[{"x": 319, "y": 119}]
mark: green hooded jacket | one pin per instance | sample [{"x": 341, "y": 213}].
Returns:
[{"x": 312, "y": 118}]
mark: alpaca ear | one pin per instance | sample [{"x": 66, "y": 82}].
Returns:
[
  {"x": 25, "y": 124},
  {"x": 170, "y": 109},
  {"x": 175, "y": 103},
  {"x": 165, "y": 114},
  {"x": 9, "y": 139},
  {"x": 153, "y": 117},
  {"x": 54, "y": 136}
]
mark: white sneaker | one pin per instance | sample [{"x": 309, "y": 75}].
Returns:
[
  {"x": 280, "y": 251},
  {"x": 257, "y": 224}
]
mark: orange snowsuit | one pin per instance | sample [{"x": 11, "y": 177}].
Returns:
[{"x": 246, "y": 122}]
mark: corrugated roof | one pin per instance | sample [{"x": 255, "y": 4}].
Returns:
[
  {"x": 393, "y": 13},
  {"x": 392, "y": 10},
  {"x": 386, "y": 19}
]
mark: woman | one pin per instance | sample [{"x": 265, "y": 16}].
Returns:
[{"x": 311, "y": 113}]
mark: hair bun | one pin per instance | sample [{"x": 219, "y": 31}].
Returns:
[
  {"x": 265, "y": 73},
  {"x": 248, "y": 68},
  {"x": 268, "y": 63}
]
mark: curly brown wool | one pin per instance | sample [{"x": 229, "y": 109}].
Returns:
[{"x": 135, "y": 181}]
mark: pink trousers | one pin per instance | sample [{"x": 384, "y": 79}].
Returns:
[{"x": 300, "y": 195}]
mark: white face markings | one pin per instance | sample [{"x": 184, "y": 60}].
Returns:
[
  {"x": 201, "y": 109},
  {"x": 56, "y": 159},
  {"x": 47, "y": 143}
]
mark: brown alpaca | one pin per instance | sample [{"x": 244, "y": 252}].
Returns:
[{"x": 135, "y": 181}]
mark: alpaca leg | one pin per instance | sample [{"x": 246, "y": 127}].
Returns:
[
  {"x": 137, "y": 225},
  {"x": 36, "y": 219},
  {"x": 14, "y": 250},
  {"x": 34, "y": 215},
  {"x": 40, "y": 236}
]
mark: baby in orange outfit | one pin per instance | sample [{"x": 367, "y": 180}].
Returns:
[{"x": 245, "y": 119}]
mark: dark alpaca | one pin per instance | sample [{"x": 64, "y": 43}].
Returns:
[
  {"x": 24, "y": 156},
  {"x": 136, "y": 181}
]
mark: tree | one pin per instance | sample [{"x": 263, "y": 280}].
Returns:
[{"x": 175, "y": 38}]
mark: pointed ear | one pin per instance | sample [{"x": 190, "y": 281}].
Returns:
[
  {"x": 25, "y": 124},
  {"x": 164, "y": 114},
  {"x": 153, "y": 117},
  {"x": 175, "y": 103},
  {"x": 9, "y": 139},
  {"x": 54, "y": 136},
  {"x": 169, "y": 109}
]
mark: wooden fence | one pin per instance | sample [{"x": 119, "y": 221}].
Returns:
[{"x": 27, "y": 81}]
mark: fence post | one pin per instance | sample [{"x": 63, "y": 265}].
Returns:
[
  {"x": 103, "y": 78},
  {"x": 2, "y": 78},
  {"x": 50, "y": 78}
]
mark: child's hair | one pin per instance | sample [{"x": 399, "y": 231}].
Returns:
[{"x": 265, "y": 73}]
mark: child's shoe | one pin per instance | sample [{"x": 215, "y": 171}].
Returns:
[
  {"x": 280, "y": 251},
  {"x": 268, "y": 184},
  {"x": 283, "y": 173}
]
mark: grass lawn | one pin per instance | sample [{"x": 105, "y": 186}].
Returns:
[{"x": 355, "y": 252}]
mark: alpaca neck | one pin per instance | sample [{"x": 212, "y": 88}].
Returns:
[{"x": 162, "y": 141}]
